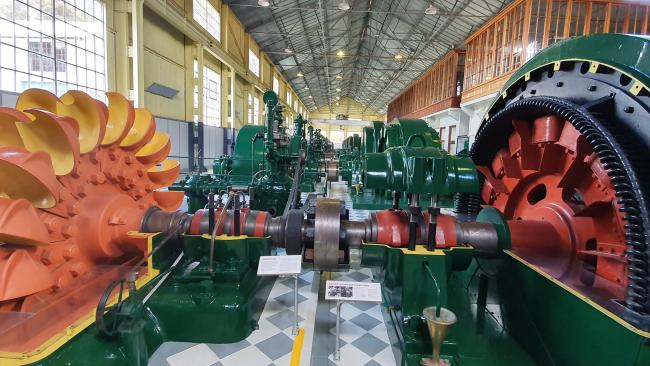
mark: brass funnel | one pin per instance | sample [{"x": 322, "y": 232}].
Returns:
[{"x": 438, "y": 325}]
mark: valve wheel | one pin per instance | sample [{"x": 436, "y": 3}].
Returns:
[{"x": 107, "y": 317}]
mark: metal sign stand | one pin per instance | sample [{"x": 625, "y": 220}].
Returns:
[
  {"x": 337, "y": 350},
  {"x": 346, "y": 291},
  {"x": 285, "y": 266},
  {"x": 295, "y": 305}
]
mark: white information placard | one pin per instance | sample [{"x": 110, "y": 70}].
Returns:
[
  {"x": 278, "y": 265},
  {"x": 353, "y": 291}
]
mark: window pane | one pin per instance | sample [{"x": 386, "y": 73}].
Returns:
[
  {"x": 597, "y": 18},
  {"x": 43, "y": 43},
  {"x": 253, "y": 63},
  {"x": 211, "y": 97},
  {"x": 7, "y": 79}
]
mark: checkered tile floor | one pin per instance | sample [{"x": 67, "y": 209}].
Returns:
[
  {"x": 272, "y": 343},
  {"x": 364, "y": 334},
  {"x": 365, "y": 339}
]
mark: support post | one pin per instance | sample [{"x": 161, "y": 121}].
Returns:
[
  {"x": 337, "y": 350},
  {"x": 137, "y": 49},
  {"x": 295, "y": 306}
]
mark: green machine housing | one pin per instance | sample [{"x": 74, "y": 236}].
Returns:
[
  {"x": 405, "y": 156},
  {"x": 263, "y": 163}
]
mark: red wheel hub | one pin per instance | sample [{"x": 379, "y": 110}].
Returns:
[{"x": 564, "y": 214}]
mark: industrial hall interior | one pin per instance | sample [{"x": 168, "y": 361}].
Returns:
[{"x": 324, "y": 182}]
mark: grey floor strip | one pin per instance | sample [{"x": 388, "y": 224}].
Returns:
[
  {"x": 323, "y": 343},
  {"x": 392, "y": 335}
]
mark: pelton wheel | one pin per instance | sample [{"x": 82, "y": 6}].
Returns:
[{"x": 76, "y": 177}]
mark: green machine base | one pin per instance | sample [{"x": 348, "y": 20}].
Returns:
[
  {"x": 371, "y": 201},
  {"x": 509, "y": 312},
  {"x": 191, "y": 305}
]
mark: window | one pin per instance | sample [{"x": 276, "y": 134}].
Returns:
[
  {"x": 57, "y": 46},
  {"x": 39, "y": 62},
  {"x": 211, "y": 97},
  {"x": 253, "y": 63},
  {"x": 250, "y": 109},
  {"x": 288, "y": 97},
  {"x": 452, "y": 140},
  {"x": 256, "y": 110},
  {"x": 204, "y": 13},
  {"x": 214, "y": 22},
  {"x": 295, "y": 105},
  {"x": 196, "y": 91},
  {"x": 598, "y": 13},
  {"x": 253, "y": 110},
  {"x": 337, "y": 137},
  {"x": 276, "y": 85}
]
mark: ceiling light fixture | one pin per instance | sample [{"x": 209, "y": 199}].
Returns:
[
  {"x": 288, "y": 50},
  {"x": 337, "y": 103},
  {"x": 264, "y": 3},
  {"x": 339, "y": 77},
  {"x": 398, "y": 56},
  {"x": 338, "y": 89},
  {"x": 310, "y": 97},
  {"x": 431, "y": 10},
  {"x": 343, "y": 5},
  {"x": 340, "y": 53},
  {"x": 300, "y": 74}
]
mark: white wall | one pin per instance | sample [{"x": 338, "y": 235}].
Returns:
[
  {"x": 177, "y": 131},
  {"x": 467, "y": 118},
  {"x": 213, "y": 141},
  {"x": 475, "y": 110},
  {"x": 8, "y": 99}
]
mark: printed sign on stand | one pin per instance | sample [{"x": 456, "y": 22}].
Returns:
[
  {"x": 353, "y": 291},
  {"x": 283, "y": 265},
  {"x": 279, "y": 265},
  {"x": 344, "y": 291}
]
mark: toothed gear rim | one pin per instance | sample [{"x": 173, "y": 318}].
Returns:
[{"x": 623, "y": 173}]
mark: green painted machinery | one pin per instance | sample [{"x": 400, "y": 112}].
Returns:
[
  {"x": 264, "y": 162},
  {"x": 401, "y": 154},
  {"x": 192, "y": 299},
  {"x": 374, "y": 138},
  {"x": 270, "y": 187},
  {"x": 350, "y": 159},
  {"x": 315, "y": 159},
  {"x": 426, "y": 171},
  {"x": 564, "y": 138}
]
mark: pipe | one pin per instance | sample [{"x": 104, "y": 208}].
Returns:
[
  {"x": 433, "y": 213},
  {"x": 414, "y": 214},
  {"x": 214, "y": 232},
  {"x": 396, "y": 197},
  {"x": 236, "y": 218},
  {"x": 482, "y": 236},
  {"x": 435, "y": 282},
  {"x": 210, "y": 212},
  {"x": 353, "y": 233}
]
